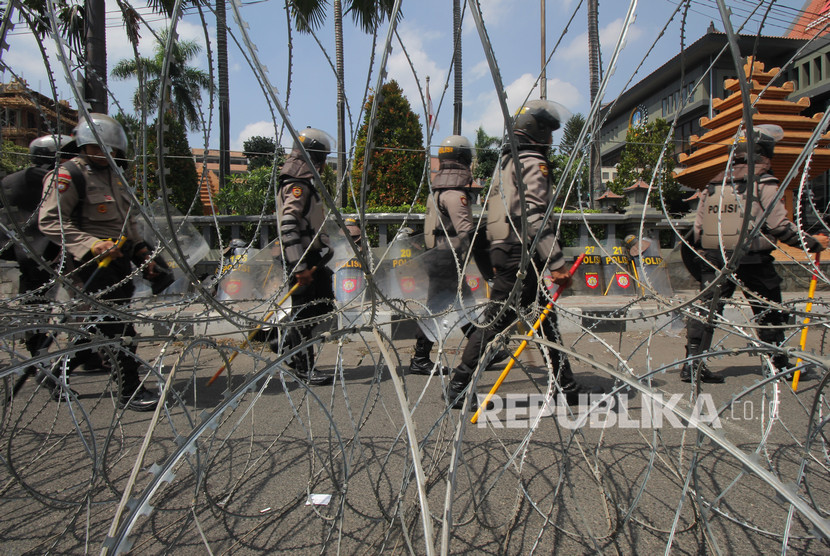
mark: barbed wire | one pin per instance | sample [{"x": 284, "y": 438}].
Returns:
[{"x": 377, "y": 461}]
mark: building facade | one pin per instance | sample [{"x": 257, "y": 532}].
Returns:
[{"x": 26, "y": 115}]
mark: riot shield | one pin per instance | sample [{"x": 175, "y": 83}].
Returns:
[
  {"x": 252, "y": 275},
  {"x": 398, "y": 280},
  {"x": 650, "y": 269},
  {"x": 443, "y": 296},
  {"x": 589, "y": 278},
  {"x": 190, "y": 240},
  {"x": 349, "y": 278},
  {"x": 617, "y": 270}
]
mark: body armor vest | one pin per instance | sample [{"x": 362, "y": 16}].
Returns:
[
  {"x": 723, "y": 212},
  {"x": 452, "y": 175},
  {"x": 295, "y": 170},
  {"x": 503, "y": 206}
]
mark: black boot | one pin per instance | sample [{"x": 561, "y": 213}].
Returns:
[
  {"x": 139, "y": 399},
  {"x": 686, "y": 374},
  {"x": 421, "y": 364},
  {"x": 303, "y": 365},
  {"x": 458, "y": 383},
  {"x": 424, "y": 366},
  {"x": 499, "y": 357},
  {"x": 576, "y": 392},
  {"x": 57, "y": 391},
  {"x": 569, "y": 387},
  {"x": 780, "y": 362}
]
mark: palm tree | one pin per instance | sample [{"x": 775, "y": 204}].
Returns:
[
  {"x": 224, "y": 92},
  {"x": 186, "y": 83},
  {"x": 486, "y": 155},
  {"x": 309, "y": 15},
  {"x": 595, "y": 69},
  {"x": 81, "y": 24}
]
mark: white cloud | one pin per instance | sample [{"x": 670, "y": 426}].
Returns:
[
  {"x": 576, "y": 51},
  {"x": 478, "y": 71},
  {"x": 491, "y": 117},
  {"x": 493, "y": 12},
  {"x": 261, "y": 128},
  {"x": 400, "y": 70}
]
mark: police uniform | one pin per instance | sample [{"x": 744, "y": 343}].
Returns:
[
  {"x": 22, "y": 193},
  {"x": 717, "y": 224},
  {"x": 448, "y": 231},
  {"x": 77, "y": 221},
  {"x": 301, "y": 215},
  {"x": 504, "y": 213}
]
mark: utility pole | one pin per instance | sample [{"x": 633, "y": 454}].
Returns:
[
  {"x": 95, "y": 70},
  {"x": 595, "y": 166},
  {"x": 342, "y": 174},
  {"x": 224, "y": 93},
  {"x": 543, "y": 78},
  {"x": 456, "y": 67}
]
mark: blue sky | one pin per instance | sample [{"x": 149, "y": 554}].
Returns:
[{"x": 425, "y": 34}]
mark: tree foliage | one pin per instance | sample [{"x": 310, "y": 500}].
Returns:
[
  {"x": 185, "y": 82},
  {"x": 253, "y": 193},
  {"x": 248, "y": 194},
  {"x": 576, "y": 185},
  {"x": 180, "y": 178},
  {"x": 13, "y": 158},
  {"x": 397, "y": 154},
  {"x": 643, "y": 145},
  {"x": 570, "y": 133},
  {"x": 260, "y": 152},
  {"x": 310, "y": 15},
  {"x": 486, "y": 156}
]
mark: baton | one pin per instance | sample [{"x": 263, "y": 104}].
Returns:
[
  {"x": 255, "y": 330},
  {"x": 103, "y": 263},
  {"x": 811, "y": 292},
  {"x": 523, "y": 345}
]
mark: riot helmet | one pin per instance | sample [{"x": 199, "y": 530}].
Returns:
[
  {"x": 113, "y": 137},
  {"x": 456, "y": 147},
  {"x": 765, "y": 135},
  {"x": 538, "y": 119},
  {"x": 353, "y": 228},
  {"x": 42, "y": 150},
  {"x": 404, "y": 233},
  {"x": 317, "y": 143}
]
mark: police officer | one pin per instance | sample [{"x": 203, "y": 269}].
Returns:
[
  {"x": 22, "y": 193},
  {"x": 448, "y": 231},
  {"x": 87, "y": 209},
  {"x": 717, "y": 226},
  {"x": 301, "y": 217},
  {"x": 534, "y": 125}
]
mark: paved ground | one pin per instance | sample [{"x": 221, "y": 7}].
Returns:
[{"x": 228, "y": 468}]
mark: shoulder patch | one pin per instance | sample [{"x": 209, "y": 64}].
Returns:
[
  {"x": 464, "y": 200},
  {"x": 297, "y": 191},
  {"x": 543, "y": 167},
  {"x": 63, "y": 182}
]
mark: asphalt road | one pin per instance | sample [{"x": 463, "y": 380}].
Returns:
[{"x": 229, "y": 468}]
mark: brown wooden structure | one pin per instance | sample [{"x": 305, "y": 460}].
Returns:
[
  {"x": 770, "y": 107},
  {"x": 26, "y": 114}
]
